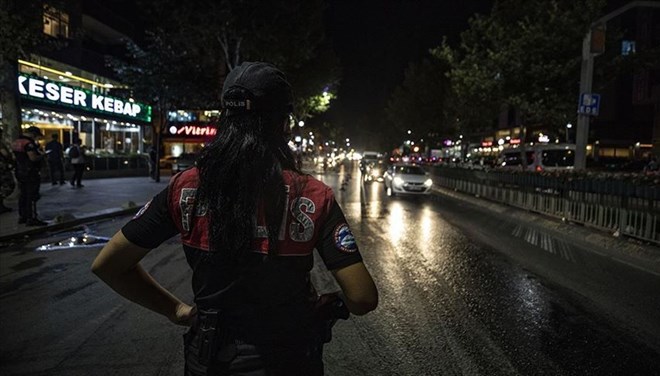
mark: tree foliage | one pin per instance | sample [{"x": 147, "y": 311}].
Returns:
[
  {"x": 422, "y": 101},
  {"x": 167, "y": 74},
  {"x": 526, "y": 55},
  {"x": 21, "y": 32},
  {"x": 288, "y": 34}
]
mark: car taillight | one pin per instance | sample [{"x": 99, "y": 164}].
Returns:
[{"x": 539, "y": 168}]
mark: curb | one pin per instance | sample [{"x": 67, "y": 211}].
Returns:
[{"x": 95, "y": 216}]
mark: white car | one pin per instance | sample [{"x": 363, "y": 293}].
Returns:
[{"x": 407, "y": 179}]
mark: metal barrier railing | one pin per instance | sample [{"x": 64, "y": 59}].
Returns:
[{"x": 619, "y": 207}]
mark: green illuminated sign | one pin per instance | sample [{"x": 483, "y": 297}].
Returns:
[{"x": 52, "y": 92}]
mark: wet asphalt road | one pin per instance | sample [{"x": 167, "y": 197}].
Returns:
[{"x": 462, "y": 292}]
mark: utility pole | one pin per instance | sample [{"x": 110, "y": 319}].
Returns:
[{"x": 592, "y": 46}]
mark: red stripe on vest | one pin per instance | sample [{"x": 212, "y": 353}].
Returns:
[{"x": 306, "y": 211}]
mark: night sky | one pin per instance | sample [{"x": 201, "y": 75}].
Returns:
[{"x": 375, "y": 41}]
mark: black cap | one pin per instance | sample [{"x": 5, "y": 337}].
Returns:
[
  {"x": 34, "y": 130},
  {"x": 256, "y": 86}
]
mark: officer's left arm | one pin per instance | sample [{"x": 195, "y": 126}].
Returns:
[{"x": 118, "y": 266}]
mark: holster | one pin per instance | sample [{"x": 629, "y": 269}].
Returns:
[
  {"x": 208, "y": 335},
  {"x": 328, "y": 314}
]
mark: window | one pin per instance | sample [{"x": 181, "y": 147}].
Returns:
[
  {"x": 410, "y": 170},
  {"x": 56, "y": 22},
  {"x": 512, "y": 158}
]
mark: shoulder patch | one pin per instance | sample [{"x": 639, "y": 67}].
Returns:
[
  {"x": 344, "y": 239},
  {"x": 142, "y": 210}
]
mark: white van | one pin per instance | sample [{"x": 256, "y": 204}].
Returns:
[{"x": 540, "y": 157}]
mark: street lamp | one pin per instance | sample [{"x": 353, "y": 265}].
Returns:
[
  {"x": 409, "y": 131},
  {"x": 301, "y": 123},
  {"x": 568, "y": 138}
]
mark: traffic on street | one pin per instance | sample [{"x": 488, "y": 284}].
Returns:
[{"x": 464, "y": 290}]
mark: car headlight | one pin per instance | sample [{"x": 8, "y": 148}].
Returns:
[
  {"x": 375, "y": 173},
  {"x": 428, "y": 182},
  {"x": 398, "y": 181}
]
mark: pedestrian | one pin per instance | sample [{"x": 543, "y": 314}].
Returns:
[
  {"x": 153, "y": 162},
  {"x": 652, "y": 165},
  {"x": 7, "y": 163},
  {"x": 248, "y": 220},
  {"x": 28, "y": 175},
  {"x": 55, "y": 153},
  {"x": 77, "y": 154}
]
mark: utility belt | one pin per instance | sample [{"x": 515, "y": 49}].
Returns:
[{"x": 210, "y": 341}]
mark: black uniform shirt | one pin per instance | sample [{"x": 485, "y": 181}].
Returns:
[
  {"x": 266, "y": 299},
  {"x": 24, "y": 166}
]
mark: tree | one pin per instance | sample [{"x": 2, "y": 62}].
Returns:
[
  {"x": 21, "y": 31},
  {"x": 421, "y": 102},
  {"x": 168, "y": 74},
  {"x": 179, "y": 66},
  {"x": 525, "y": 54},
  {"x": 288, "y": 34}
]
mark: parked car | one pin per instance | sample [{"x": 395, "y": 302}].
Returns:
[
  {"x": 407, "y": 179},
  {"x": 166, "y": 161},
  {"x": 540, "y": 157},
  {"x": 184, "y": 162}
]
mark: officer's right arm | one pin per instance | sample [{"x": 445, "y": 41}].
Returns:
[{"x": 118, "y": 263}]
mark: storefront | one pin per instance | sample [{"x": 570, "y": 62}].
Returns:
[
  {"x": 106, "y": 125},
  {"x": 189, "y": 131},
  {"x": 190, "y": 137}
]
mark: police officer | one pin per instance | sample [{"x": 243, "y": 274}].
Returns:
[
  {"x": 28, "y": 165},
  {"x": 248, "y": 220}
]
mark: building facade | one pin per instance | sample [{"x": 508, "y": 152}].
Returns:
[{"x": 68, "y": 91}]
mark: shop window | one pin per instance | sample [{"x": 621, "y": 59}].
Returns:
[{"x": 56, "y": 22}]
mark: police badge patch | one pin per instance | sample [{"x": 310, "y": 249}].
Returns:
[
  {"x": 142, "y": 210},
  {"x": 344, "y": 239}
]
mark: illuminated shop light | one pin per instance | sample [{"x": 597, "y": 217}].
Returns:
[{"x": 59, "y": 72}]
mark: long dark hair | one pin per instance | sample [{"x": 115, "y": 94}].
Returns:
[{"x": 241, "y": 172}]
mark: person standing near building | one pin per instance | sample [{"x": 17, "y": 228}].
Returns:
[
  {"x": 28, "y": 175},
  {"x": 77, "y": 154},
  {"x": 7, "y": 165},
  {"x": 249, "y": 221},
  {"x": 153, "y": 162},
  {"x": 55, "y": 153}
]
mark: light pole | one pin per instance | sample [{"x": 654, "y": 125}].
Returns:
[
  {"x": 597, "y": 28},
  {"x": 568, "y": 136}
]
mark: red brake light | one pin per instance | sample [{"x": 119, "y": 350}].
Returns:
[{"x": 539, "y": 168}]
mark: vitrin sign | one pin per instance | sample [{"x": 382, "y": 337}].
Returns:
[
  {"x": 192, "y": 130},
  {"x": 52, "y": 92}
]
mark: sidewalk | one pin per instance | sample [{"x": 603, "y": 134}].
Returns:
[{"x": 63, "y": 206}]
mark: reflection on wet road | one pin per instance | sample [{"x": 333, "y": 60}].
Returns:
[{"x": 452, "y": 305}]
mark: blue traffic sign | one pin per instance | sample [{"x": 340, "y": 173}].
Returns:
[{"x": 589, "y": 104}]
